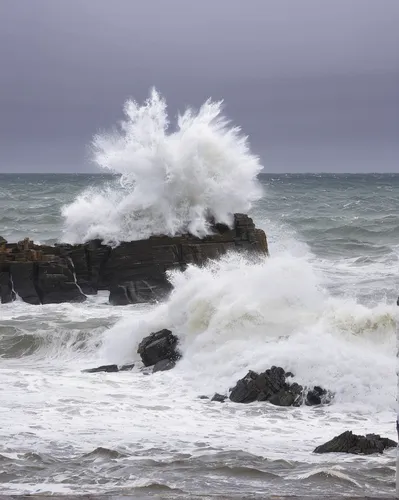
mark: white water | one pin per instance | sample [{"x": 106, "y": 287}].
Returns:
[
  {"x": 172, "y": 180},
  {"x": 231, "y": 316},
  {"x": 235, "y": 315}
]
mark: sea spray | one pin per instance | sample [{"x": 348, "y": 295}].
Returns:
[
  {"x": 234, "y": 315},
  {"x": 170, "y": 180}
]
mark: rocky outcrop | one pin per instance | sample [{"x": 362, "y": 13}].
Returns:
[
  {"x": 133, "y": 271},
  {"x": 159, "y": 349},
  {"x": 37, "y": 276},
  {"x": 272, "y": 386},
  {"x": 347, "y": 442}
]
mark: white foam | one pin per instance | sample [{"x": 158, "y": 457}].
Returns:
[
  {"x": 235, "y": 315},
  {"x": 171, "y": 180}
]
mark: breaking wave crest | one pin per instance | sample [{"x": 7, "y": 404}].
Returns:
[
  {"x": 170, "y": 181},
  {"x": 235, "y": 314}
]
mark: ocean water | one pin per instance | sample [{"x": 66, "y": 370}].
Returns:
[{"x": 323, "y": 306}]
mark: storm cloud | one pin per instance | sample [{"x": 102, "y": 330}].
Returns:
[{"x": 314, "y": 83}]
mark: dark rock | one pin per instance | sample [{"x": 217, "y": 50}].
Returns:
[
  {"x": 46, "y": 274},
  {"x": 318, "y": 396},
  {"x": 126, "y": 368},
  {"x": 55, "y": 284},
  {"x": 347, "y": 442},
  {"x": 272, "y": 386},
  {"x": 203, "y": 397},
  {"x": 219, "y": 398},
  {"x": 259, "y": 387},
  {"x": 164, "y": 365},
  {"x": 118, "y": 296},
  {"x": 104, "y": 368},
  {"x": 290, "y": 395},
  {"x": 7, "y": 293},
  {"x": 246, "y": 390},
  {"x": 158, "y": 346},
  {"x": 24, "y": 277}
]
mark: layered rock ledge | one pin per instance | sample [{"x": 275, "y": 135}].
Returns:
[{"x": 133, "y": 271}]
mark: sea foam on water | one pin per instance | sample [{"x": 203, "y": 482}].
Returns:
[{"x": 170, "y": 180}]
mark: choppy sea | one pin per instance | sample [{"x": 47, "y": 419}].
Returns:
[{"x": 323, "y": 306}]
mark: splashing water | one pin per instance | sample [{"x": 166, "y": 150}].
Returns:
[
  {"x": 234, "y": 315},
  {"x": 170, "y": 181}
]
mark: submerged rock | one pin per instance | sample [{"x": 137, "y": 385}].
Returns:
[
  {"x": 110, "y": 369},
  {"x": 163, "y": 365},
  {"x": 347, "y": 442},
  {"x": 104, "y": 368},
  {"x": 272, "y": 386},
  {"x": 159, "y": 346},
  {"x": 219, "y": 398},
  {"x": 126, "y": 368}
]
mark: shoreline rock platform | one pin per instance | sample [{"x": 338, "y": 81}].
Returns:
[{"x": 133, "y": 271}]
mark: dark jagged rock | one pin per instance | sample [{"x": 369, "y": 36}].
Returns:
[
  {"x": 347, "y": 442},
  {"x": 219, "y": 398},
  {"x": 7, "y": 293},
  {"x": 318, "y": 396},
  {"x": 164, "y": 365},
  {"x": 272, "y": 386},
  {"x": 157, "y": 347},
  {"x": 45, "y": 274},
  {"x": 126, "y": 368},
  {"x": 104, "y": 368}
]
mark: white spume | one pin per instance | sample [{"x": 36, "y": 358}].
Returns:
[{"x": 171, "y": 181}]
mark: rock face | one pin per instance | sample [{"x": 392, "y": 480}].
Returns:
[
  {"x": 272, "y": 386},
  {"x": 36, "y": 275},
  {"x": 157, "y": 348},
  {"x": 347, "y": 442},
  {"x": 119, "y": 296},
  {"x": 133, "y": 271}
]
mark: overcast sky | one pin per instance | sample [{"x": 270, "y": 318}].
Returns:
[{"x": 314, "y": 83}]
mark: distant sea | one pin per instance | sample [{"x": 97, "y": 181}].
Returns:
[{"x": 322, "y": 306}]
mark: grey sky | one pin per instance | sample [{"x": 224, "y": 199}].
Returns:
[{"x": 315, "y": 83}]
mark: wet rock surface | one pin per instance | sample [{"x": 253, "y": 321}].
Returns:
[
  {"x": 133, "y": 272},
  {"x": 347, "y": 442},
  {"x": 104, "y": 368},
  {"x": 109, "y": 369},
  {"x": 159, "y": 346},
  {"x": 219, "y": 398},
  {"x": 272, "y": 386},
  {"x": 163, "y": 365}
]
